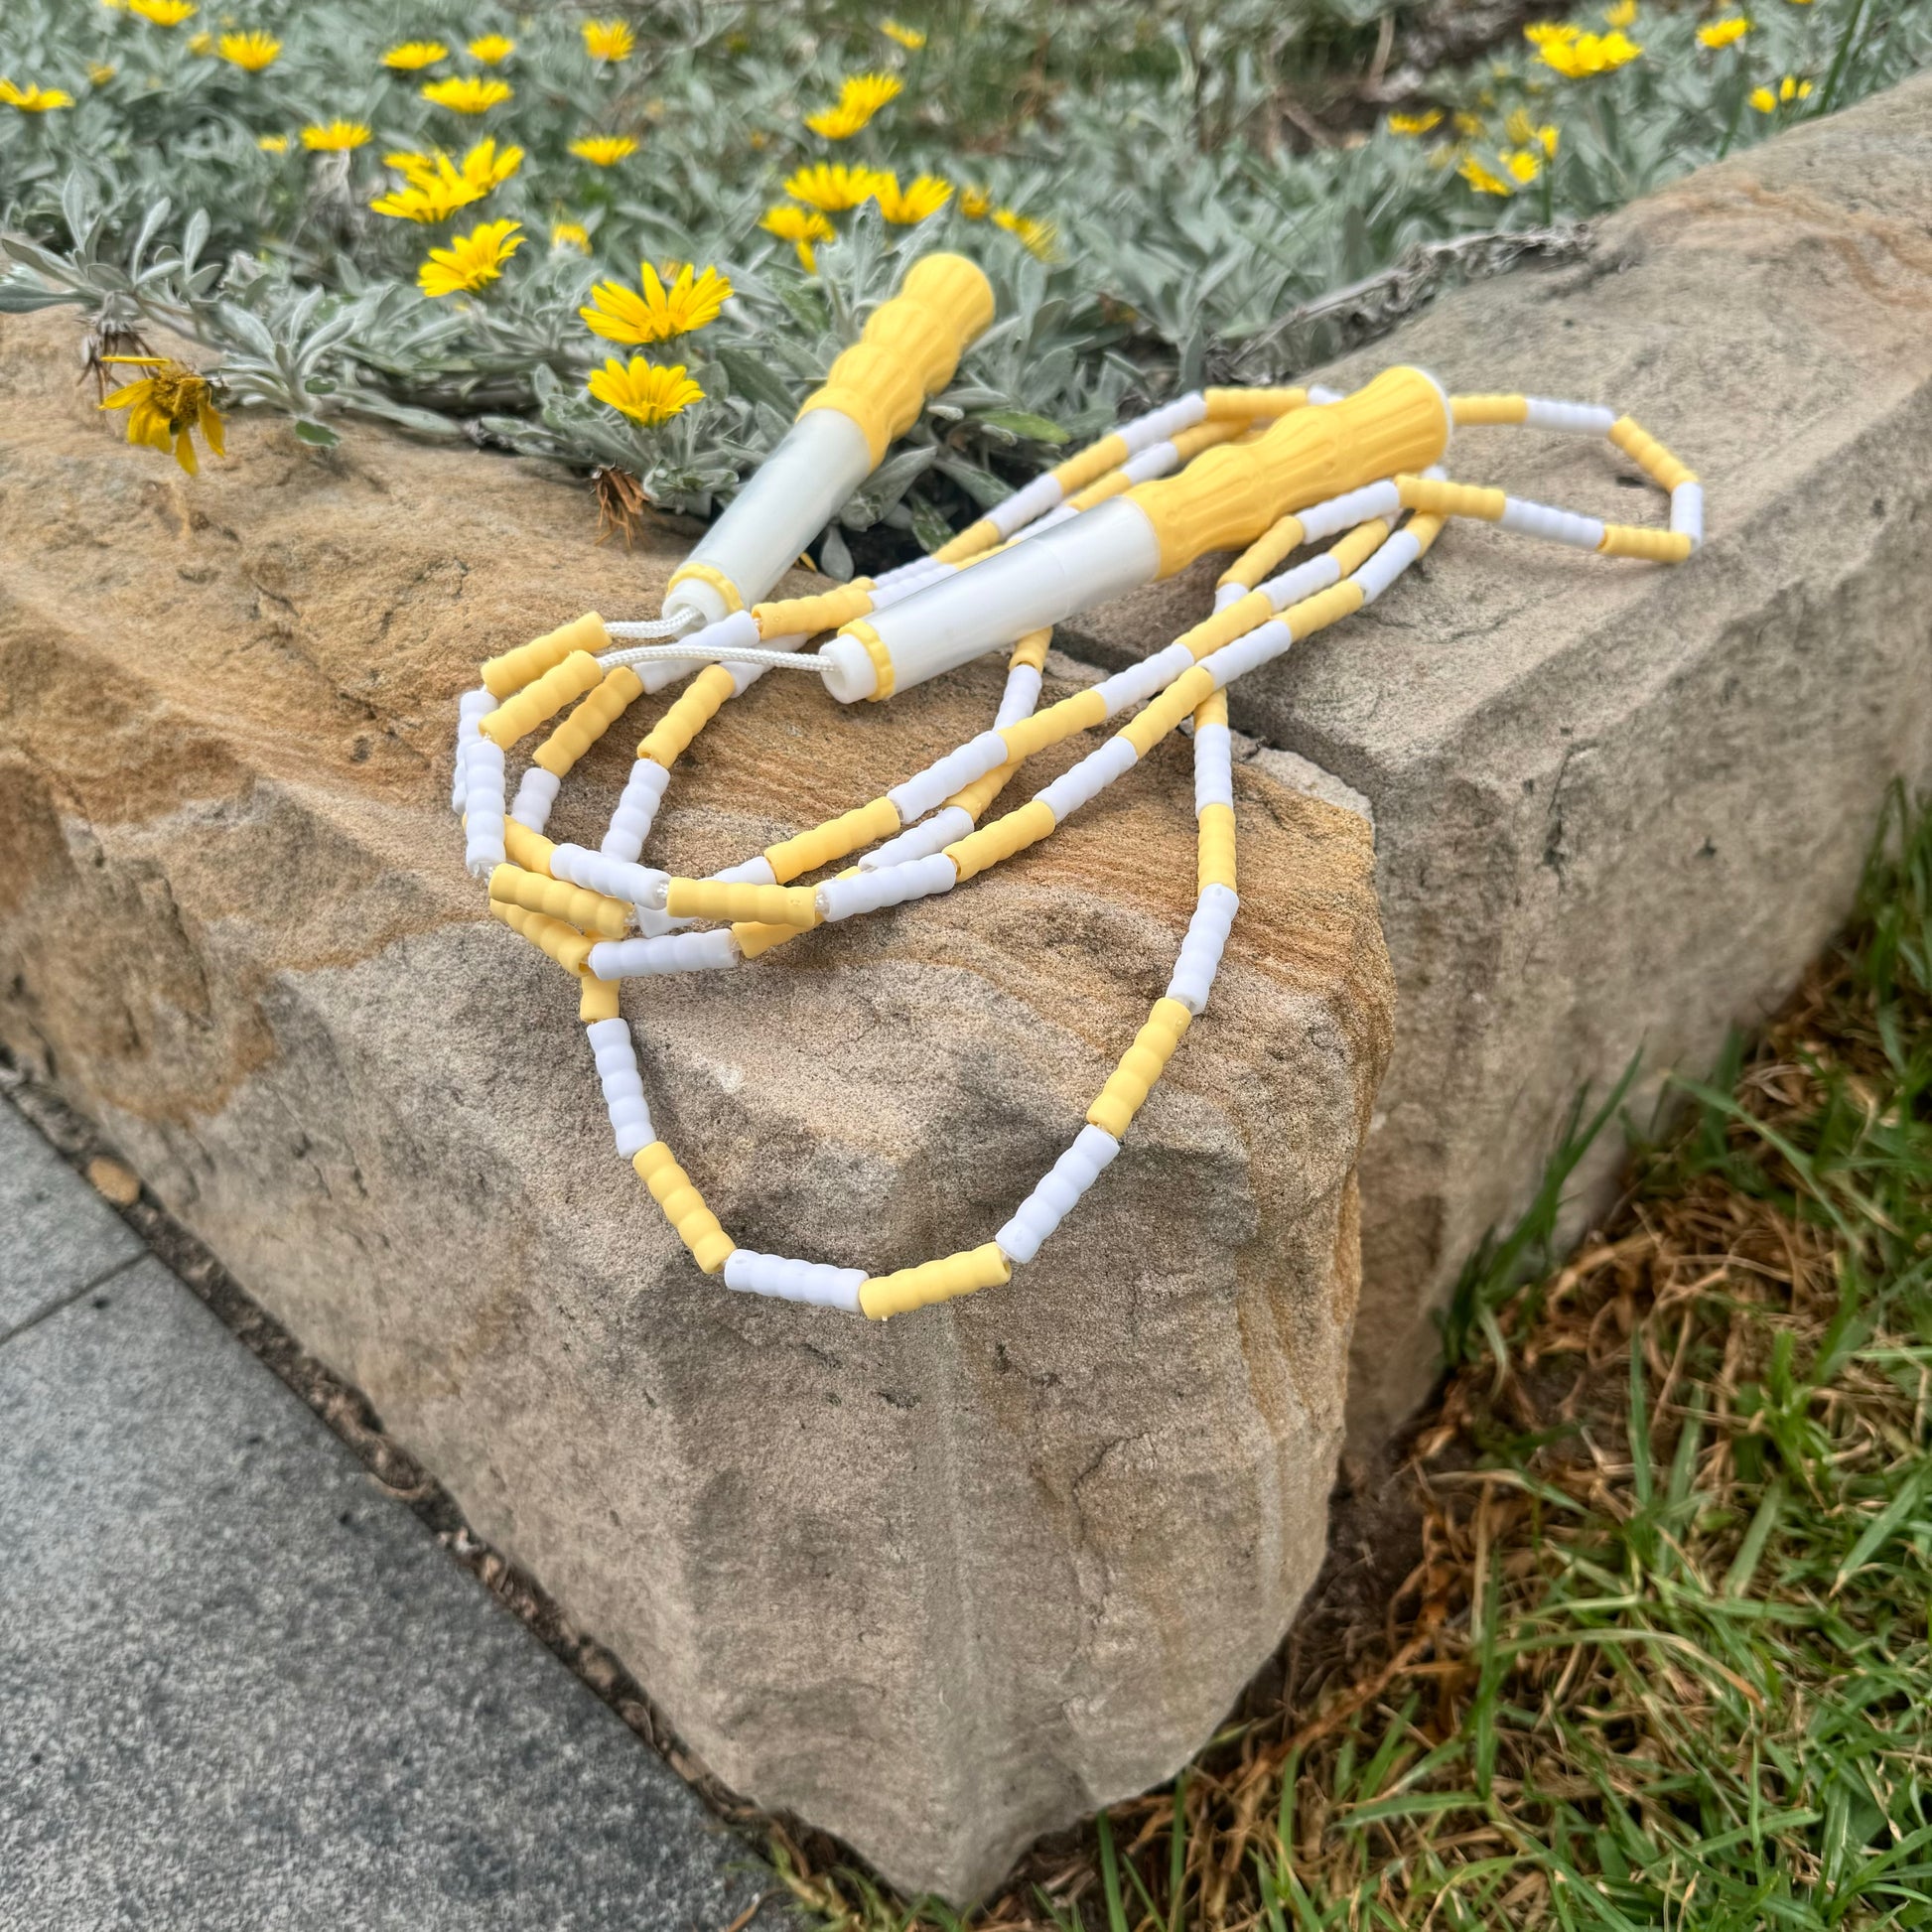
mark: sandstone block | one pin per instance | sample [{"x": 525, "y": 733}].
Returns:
[
  {"x": 935, "y": 1585},
  {"x": 1620, "y": 806}
]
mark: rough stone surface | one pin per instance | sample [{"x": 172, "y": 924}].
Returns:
[
  {"x": 58, "y": 1238},
  {"x": 242, "y": 1691},
  {"x": 936, "y": 1585},
  {"x": 1618, "y": 806}
]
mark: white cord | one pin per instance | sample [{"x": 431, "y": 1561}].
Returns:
[
  {"x": 766, "y": 660},
  {"x": 655, "y": 626}
]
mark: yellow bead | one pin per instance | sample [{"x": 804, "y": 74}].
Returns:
[
  {"x": 670, "y": 1187},
  {"x": 808, "y": 851},
  {"x": 667, "y": 741},
  {"x": 1140, "y": 1065},
  {"x": 885, "y": 1295},
  {"x": 1001, "y": 839},
  {"x": 506, "y": 675}
]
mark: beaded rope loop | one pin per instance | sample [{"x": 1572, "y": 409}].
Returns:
[{"x": 603, "y": 916}]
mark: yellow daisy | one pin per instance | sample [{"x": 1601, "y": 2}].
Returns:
[
  {"x": 643, "y": 392},
  {"x": 802, "y": 226},
  {"x": 605, "y": 150},
  {"x": 166, "y": 407},
  {"x": 466, "y": 94},
  {"x": 652, "y": 312},
  {"x": 867, "y": 94},
  {"x": 1415, "y": 123},
  {"x": 974, "y": 204},
  {"x": 163, "y": 13},
  {"x": 1578, "y": 57},
  {"x": 251, "y": 51},
  {"x": 273, "y": 144},
  {"x": 337, "y": 138},
  {"x": 831, "y": 186},
  {"x": 1621, "y": 15},
  {"x": 608, "y": 39},
  {"x": 413, "y": 56},
  {"x": 923, "y": 198},
  {"x": 1482, "y": 180},
  {"x": 35, "y": 100},
  {"x": 836, "y": 123},
  {"x": 491, "y": 50},
  {"x": 1723, "y": 33},
  {"x": 570, "y": 234},
  {"x": 99, "y": 72},
  {"x": 909, "y": 38},
  {"x": 471, "y": 259},
  {"x": 1038, "y": 238}
]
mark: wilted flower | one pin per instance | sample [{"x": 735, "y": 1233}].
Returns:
[{"x": 166, "y": 407}]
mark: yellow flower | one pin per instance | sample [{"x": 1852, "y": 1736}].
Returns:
[
  {"x": 801, "y": 225},
  {"x": 608, "y": 39},
  {"x": 867, "y": 94},
  {"x": 974, "y": 204},
  {"x": 622, "y": 315},
  {"x": 471, "y": 259},
  {"x": 1764, "y": 100},
  {"x": 435, "y": 202},
  {"x": 486, "y": 166},
  {"x": 251, "y": 51},
  {"x": 836, "y": 123},
  {"x": 605, "y": 150},
  {"x": 99, "y": 72},
  {"x": 1469, "y": 125},
  {"x": 337, "y": 138},
  {"x": 923, "y": 198},
  {"x": 1415, "y": 123},
  {"x": 167, "y": 406},
  {"x": 163, "y": 13},
  {"x": 1723, "y": 33},
  {"x": 643, "y": 391},
  {"x": 1622, "y": 14},
  {"x": 909, "y": 38},
  {"x": 1523, "y": 166},
  {"x": 492, "y": 49},
  {"x": 1482, "y": 180},
  {"x": 273, "y": 144},
  {"x": 35, "y": 100},
  {"x": 1790, "y": 89},
  {"x": 1038, "y": 238},
  {"x": 468, "y": 95},
  {"x": 831, "y": 186},
  {"x": 570, "y": 234},
  {"x": 1577, "y": 56},
  {"x": 201, "y": 43},
  {"x": 413, "y": 56}
]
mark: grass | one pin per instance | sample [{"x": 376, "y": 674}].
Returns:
[{"x": 1664, "y": 1656}]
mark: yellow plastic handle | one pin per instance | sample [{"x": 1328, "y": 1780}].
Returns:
[
  {"x": 1229, "y": 496},
  {"x": 909, "y": 349}
]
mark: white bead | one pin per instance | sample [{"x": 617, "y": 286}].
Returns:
[
  {"x": 471, "y": 709},
  {"x": 1687, "y": 512},
  {"x": 1153, "y": 461},
  {"x": 483, "y": 808},
  {"x": 1386, "y": 565},
  {"x": 536, "y": 792},
  {"x": 918, "y": 841},
  {"x": 1571, "y": 418},
  {"x": 631, "y": 822},
  {"x": 1291, "y": 586},
  {"x": 867, "y": 891},
  {"x": 1020, "y": 697},
  {"x": 1159, "y": 424},
  {"x": 1141, "y": 681},
  {"x": 1040, "y": 496},
  {"x": 1318, "y": 394},
  {"x": 926, "y": 790},
  {"x": 598, "y": 872},
  {"x": 1200, "y": 951},
  {"x": 1226, "y": 594},
  {"x": 624, "y": 1086},
  {"x": 1080, "y": 783},
  {"x": 1213, "y": 766},
  {"x": 1343, "y": 512},
  {"x": 1048, "y": 1204},
  {"x": 1247, "y": 652},
  {"x": 710, "y": 951},
  {"x": 811, "y": 1281},
  {"x": 1554, "y": 525}
]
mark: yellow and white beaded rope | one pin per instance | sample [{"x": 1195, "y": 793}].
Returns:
[{"x": 924, "y": 835}]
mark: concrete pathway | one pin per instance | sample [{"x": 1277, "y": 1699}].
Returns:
[{"x": 239, "y": 1687}]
